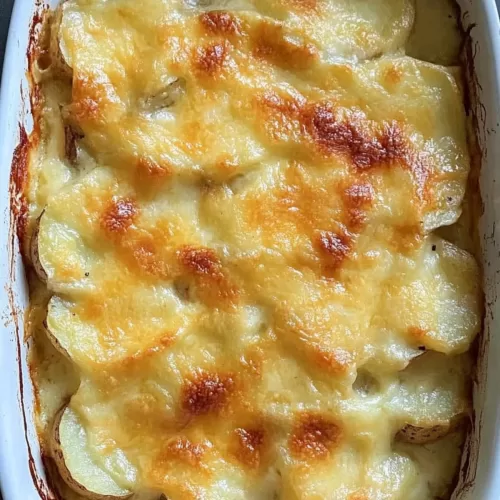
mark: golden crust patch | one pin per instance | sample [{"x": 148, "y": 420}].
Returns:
[
  {"x": 119, "y": 216},
  {"x": 314, "y": 436},
  {"x": 393, "y": 75},
  {"x": 300, "y": 204},
  {"x": 218, "y": 22},
  {"x": 405, "y": 238},
  {"x": 148, "y": 168},
  {"x": 280, "y": 114},
  {"x": 207, "y": 393},
  {"x": 302, "y": 5},
  {"x": 355, "y": 137},
  {"x": 358, "y": 199},
  {"x": 211, "y": 59},
  {"x": 359, "y": 195},
  {"x": 141, "y": 254},
  {"x": 271, "y": 44},
  {"x": 161, "y": 344},
  {"x": 183, "y": 450},
  {"x": 335, "y": 246},
  {"x": 213, "y": 284},
  {"x": 336, "y": 132},
  {"x": 359, "y": 495},
  {"x": 249, "y": 446},
  {"x": 336, "y": 361},
  {"x": 90, "y": 100},
  {"x": 200, "y": 261}
]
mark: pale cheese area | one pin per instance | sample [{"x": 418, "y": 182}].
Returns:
[{"x": 244, "y": 297}]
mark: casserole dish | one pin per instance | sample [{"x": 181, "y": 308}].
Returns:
[{"x": 481, "y": 81}]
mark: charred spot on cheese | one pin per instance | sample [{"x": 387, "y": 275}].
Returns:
[
  {"x": 200, "y": 261},
  {"x": 211, "y": 59},
  {"x": 335, "y": 134},
  {"x": 219, "y": 22},
  {"x": 207, "y": 393},
  {"x": 335, "y": 246},
  {"x": 249, "y": 446},
  {"x": 272, "y": 44},
  {"x": 341, "y": 132},
  {"x": 359, "y": 195},
  {"x": 119, "y": 216},
  {"x": 356, "y": 218},
  {"x": 314, "y": 436},
  {"x": 367, "y": 144},
  {"x": 354, "y": 135}
]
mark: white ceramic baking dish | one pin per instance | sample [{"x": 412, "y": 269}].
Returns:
[{"x": 21, "y": 470}]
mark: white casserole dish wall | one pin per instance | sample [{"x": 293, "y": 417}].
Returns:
[{"x": 20, "y": 463}]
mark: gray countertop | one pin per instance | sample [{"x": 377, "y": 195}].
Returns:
[{"x": 5, "y": 10}]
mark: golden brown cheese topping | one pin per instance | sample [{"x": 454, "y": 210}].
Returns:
[{"x": 236, "y": 204}]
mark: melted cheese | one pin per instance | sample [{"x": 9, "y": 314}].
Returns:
[{"x": 236, "y": 230}]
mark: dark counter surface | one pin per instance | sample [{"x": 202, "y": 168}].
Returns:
[{"x": 5, "y": 11}]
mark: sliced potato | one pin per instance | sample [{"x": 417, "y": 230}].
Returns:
[
  {"x": 438, "y": 463},
  {"x": 422, "y": 435},
  {"x": 165, "y": 98},
  {"x": 441, "y": 297},
  {"x": 433, "y": 399},
  {"x": 35, "y": 253},
  {"x": 50, "y": 60},
  {"x": 59, "y": 63},
  {"x": 69, "y": 449},
  {"x": 58, "y": 253},
  {"x": 53, "y": 339}
]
